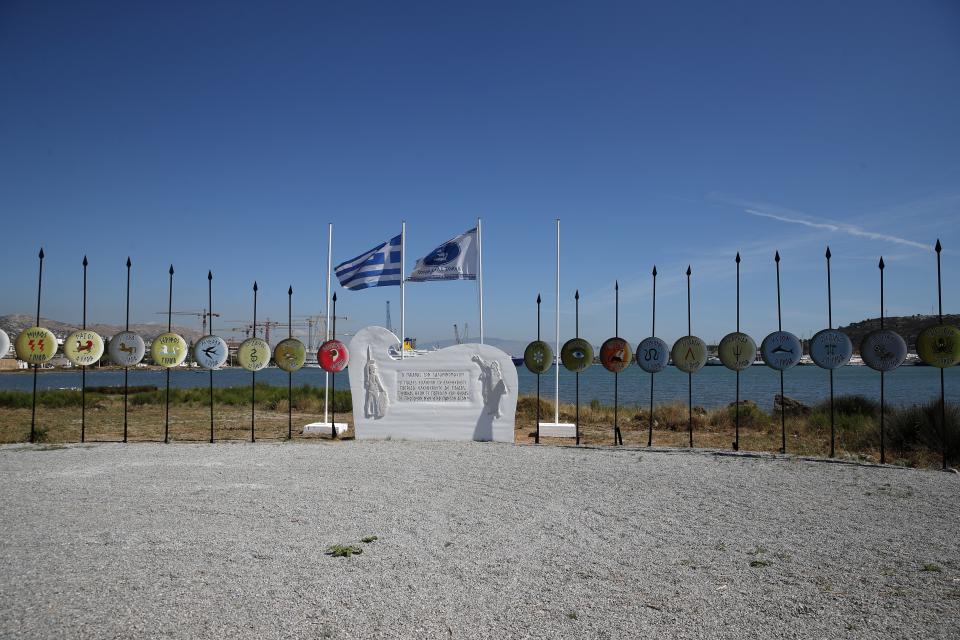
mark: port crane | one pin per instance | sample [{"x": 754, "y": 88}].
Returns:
[{"x": 199, "y": 314}]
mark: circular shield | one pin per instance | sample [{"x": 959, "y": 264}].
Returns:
[
  {"x": 939, "y": 345},
  {"x": 83, "y": 347},
  {"x": 290, "y": 354},
  {"x": 210, "y": 352},
  {"x": 168, "y": 350},
  {"x": 538, "y": 357},
  {"x": 653, "y": 354},
  {"x": 4, "y": 343},
  {"x": 689, "y": 354},
  {"x": 333, "y": 356},
  {"x": 253, "y": 354},
  {"x": 830, "y": 349},
  {"x": 576, "y": 354},
  {"x": 615, "y": 354},
  {"x": 36, "y": 345},
  {"x": 883, "y": 350},
  {"x": 126, "y": 349},
  {"x": 781, "y": 350},
  {"x": 737, "y": 351}
]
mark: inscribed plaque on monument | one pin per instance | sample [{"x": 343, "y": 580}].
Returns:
[{"x": 463, "y": 392}]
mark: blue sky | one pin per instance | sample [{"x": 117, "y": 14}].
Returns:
[{"x": 226, "y": 136}]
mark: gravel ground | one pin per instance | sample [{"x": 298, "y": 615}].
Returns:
[{"x": 474, "y": 541}]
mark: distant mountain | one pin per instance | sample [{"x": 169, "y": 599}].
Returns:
[
  {"x": 15, "y": 323},
  {"x": 907, "y": 326}
]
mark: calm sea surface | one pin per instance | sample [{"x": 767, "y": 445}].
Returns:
[{"x": 712, "y": 386}]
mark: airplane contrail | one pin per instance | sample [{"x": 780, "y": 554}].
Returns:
[{"x": 842, "y": 228}]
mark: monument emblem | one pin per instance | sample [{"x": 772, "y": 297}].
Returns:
[
  {"x": 168, "y": 350},
  {"x": 781, "y": 350},
  {"x": 253, "y": 354},
  {"x": 737, "y": 351},
  {"x": 36, "y": 345},
  {"x": 83, "y": 347},
  {"x": 127, "y": 348},
  {"x": 290, "y": 354},
  {"x": 652, "y": 354},
  {"x": 689, "y": 354},
  {"x": 830, "y": 349},
  {"x": 463, "y": 392},
  {"x": 883, "y": 350},
  {"x": 210, "y": 352}
]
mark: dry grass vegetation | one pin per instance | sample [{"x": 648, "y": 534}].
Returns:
[
  {"x": 58, "y": 414},
  {"x": 913, "y": 434}
]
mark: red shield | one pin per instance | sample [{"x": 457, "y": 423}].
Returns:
[{"x": 333, "y": 356}]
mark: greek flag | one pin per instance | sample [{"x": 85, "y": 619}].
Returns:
[
  {"x": 455, "y": 259},
  {"x": 379, "y": 267}
]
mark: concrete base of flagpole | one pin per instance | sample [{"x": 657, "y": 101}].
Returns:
[
  {"x": 325, "y": 427},
  {"x": 558, "y": 430}
]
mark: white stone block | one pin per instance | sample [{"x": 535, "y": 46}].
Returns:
[{"x": 463, "y": 392}]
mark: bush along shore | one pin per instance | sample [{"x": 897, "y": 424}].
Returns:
[{"x": 913, "y": 434}]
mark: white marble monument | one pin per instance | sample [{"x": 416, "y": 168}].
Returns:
[{"x": 463, "y": 392}]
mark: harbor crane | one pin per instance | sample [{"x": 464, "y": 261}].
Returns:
[
  {"x": 264, "y": 325},
  {"x": 200, "y": 314}
]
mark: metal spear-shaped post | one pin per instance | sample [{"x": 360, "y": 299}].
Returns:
[
  {"x": 290, "y": 373},
  {"x": 833, "y": 430},
  {"x": 783, "y": 404},
  {"x": 210, "y": 306},
  {"x": 736, "y": 437},
  {"x": 333, "y": 374},
  {"x": 689, "y": 375},
  {"x": 126, "y": 370},
  {"x": 166, "y": 424},
  {"x": 943, "y": 405},
  {"x": 576, "y": 334},
  {"x": 33, "y": 410},
  {"x": 617, "y": 436},
  {"x": 883, "y": 456},
  {"x": 653, "y": 332},
  {"x": 536, "y": 438},
  {"x": 83, "y": 368},
  {"x": 253, "y": 375}
]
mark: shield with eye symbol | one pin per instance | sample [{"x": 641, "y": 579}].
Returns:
[{"x": 576, "y": 355}]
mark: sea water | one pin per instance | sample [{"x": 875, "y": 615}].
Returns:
[{"x": 712, "y": 386}]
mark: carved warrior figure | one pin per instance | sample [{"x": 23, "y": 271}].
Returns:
[
  {"x": 375, "y": 400},
  {"x": 491, "y": 384}
]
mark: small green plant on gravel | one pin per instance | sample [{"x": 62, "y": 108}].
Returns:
[
  {"x": 369, "y": 539},
  {"x": 343, "y": 550},
  {"x": 759, "y": 563},
  {"x": 572, "y": 615},
  {"x": 929, "y": 566}
]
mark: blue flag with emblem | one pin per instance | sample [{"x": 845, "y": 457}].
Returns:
[
  {"x": 455, "y": 259},
  {"x": 378, "y": 267}
]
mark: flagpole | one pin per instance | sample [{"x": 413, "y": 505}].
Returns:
[
  {"x": 326, "y": 375},
  {"x": 480, "y": 272},
  {"x": 403, "y": 301},
  {"x": 556, "y": 385}
]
